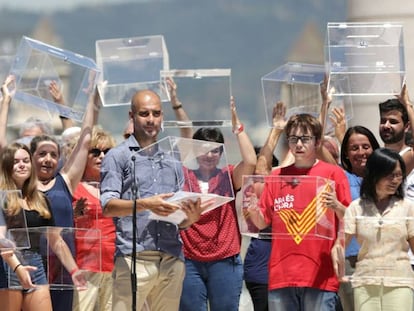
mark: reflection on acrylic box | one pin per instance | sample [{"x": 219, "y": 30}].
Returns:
[
  {"x": 296, "y": 201},
  {"x": 183, "y": 157},
  {"x": 46, "y": 242},
  {"x": 37, "y": 64}
]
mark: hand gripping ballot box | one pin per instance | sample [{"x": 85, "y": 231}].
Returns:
[
  {"x": 296, "y": 209},
  {"x": 298, "y": 86},
  {"x": 36, "y": 65},
  {"x": 199, "y": 91},
  {"x": 382, "y": 258},
  {"x": 53, "y": 250},
  {"x": 365, "y": 58},
  {"x": 174, "y": 164},
  {"x": 129, "y": 65},
  {"x": 12, "y": 216}
]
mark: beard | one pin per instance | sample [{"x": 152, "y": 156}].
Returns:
[{"x": 392, "y": 138}]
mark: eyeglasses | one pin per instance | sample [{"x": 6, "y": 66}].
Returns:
[
  {"x": 304, "y": 139},
  {"x": 393, "y": 176},
  {"x": 96, "y": 152}
]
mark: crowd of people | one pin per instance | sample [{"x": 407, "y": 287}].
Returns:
[{"x": 361, "y": 259}]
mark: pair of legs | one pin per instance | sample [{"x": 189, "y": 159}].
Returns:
[
  {"x": 15, "y": 298},
  {"x": 159, "y": 282},
  {"x": 218, "y": 283},
  {"x": 18, "y": 300},
  {"x": 303, "y": 299}
]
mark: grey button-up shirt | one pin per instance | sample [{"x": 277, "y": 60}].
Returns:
[{"x": 155, "y": 173}]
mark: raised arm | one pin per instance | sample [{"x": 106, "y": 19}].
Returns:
[
  {"x": 322, "y": 152},
  {"x": 248, "y": 163},
  {"x": 57, "y": 96},
  {"x": 186, "y": 131},
  {"x": 326, "y": 102},
  {"x": 73, "y": 169},
  {"x": 4, "y": 109},
  {"x": 264, "y": 159},
  {"x": 404, "y": 99},
  {"x": 339, "y": 121}
]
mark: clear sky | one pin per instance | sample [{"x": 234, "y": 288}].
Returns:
[{"x": 53, "y": 5}]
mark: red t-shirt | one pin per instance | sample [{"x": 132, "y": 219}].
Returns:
[
  {"x": 303, "y": 231},
  {"x": 88, "y": 249},
  {"x": 216, "y": 235}
]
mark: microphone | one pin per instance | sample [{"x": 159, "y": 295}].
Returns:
[{"x": 134, "y": 188}]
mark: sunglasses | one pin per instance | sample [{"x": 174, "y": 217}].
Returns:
[{"x": 96, "y": 152}]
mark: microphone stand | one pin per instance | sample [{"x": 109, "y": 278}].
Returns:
[{"x": 134, "y": 189}]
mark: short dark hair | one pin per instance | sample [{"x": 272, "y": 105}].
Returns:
[
  {"x": 394, "y": 104},
  {"x": 41, "y": 138},
  {"x": 209, "y": 134},
  {"x": 358, "y": 129},
  {"x": 305, "y": 122},
  {"x": 381, "y": 163}
]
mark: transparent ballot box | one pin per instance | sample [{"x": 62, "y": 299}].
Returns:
[
  {"x": 129, "y": 65},
  {"x": 5, "y": 64},
  {"x": 294, "y": 206},
  {"x": 37, "y": 64},
  {"x": 176, "y": 164},
  {"x": 199, "y": 91},
  {"x": 297, "y": 85},
  {"x": 385, "y": 263},
  {"x": 52, "y": 247},
  {"x": 365, "y": 58},
  {"x": 12, "y": 216},
  {"x": 87, "y": 212}
]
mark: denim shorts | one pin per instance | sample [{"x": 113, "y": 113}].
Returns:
[{"x": 27, "y": 258}]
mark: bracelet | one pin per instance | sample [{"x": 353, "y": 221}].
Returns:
[
  {"x": 15, "y": 268},
  {"x": 177, "y": 107},
  {"x": 73, "y": 271},
  {"x": 239, "y": 128}
]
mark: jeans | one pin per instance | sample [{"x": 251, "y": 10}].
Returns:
[
  {"x": 218, "y": 282},
  {"x": 303, "y": 299},
  {"x": 258, "y": 292},
  {"x": 38, "y": 276}
]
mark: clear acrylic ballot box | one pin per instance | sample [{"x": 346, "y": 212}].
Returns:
[
  {"x": 387, "y": 265},
  {"x": 199, "y": 91},
  {"x": 177, "y": 160},
  {"x": 12, "y": 216},
  {"x": 296, "y": 209},
  {"x": 129, "y": 65},
  {"x": 365, "y": 58},
  {"x": 53, "y": 245},
  {"x": 297, "y": 85},
  {"x": 5, "y": 64},
  {"x": 37, "y": 64}
]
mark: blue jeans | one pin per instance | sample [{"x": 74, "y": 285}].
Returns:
[
  {"x": 303, "y": 299},
  {"x": 218, "y": 282}
]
